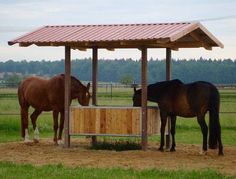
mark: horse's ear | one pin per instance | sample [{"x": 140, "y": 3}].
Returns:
[
  {"x": 135, "y": 89},
  {"x": 88, "y": 85}
]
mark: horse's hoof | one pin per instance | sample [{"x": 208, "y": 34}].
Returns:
[
  {"x": 60, "y": 142},
  {"x": 172, "y": 150},
  {"x": 221, "y": 153},
  {"x": 203, "y": 152},
  {"x": 26, "y": 141},
  {"x": 161, "y": 149},
  {"x": 36, "y": 140}
]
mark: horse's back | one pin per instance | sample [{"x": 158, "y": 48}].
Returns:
[
  {"x": 192, "y": 99},
  {"x": 31, "y": 89},
  {"x": 202, "y": 95},
  {"x": 38, "y": 92}
]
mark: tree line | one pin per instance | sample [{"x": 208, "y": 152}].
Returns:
[{"x": 128, "y": 70}]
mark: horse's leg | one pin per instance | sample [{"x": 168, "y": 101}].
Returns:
[
  {"x": 61, "y": 127},
  {"x": 204, "y": 128},
  {"x": 172, "y": 130},
  {"x": 163, "y": 126},
  {"x": 24, "y": 123},
  {"x": 55, "y": 125},
  {"x": 219, "y": 138},
  {"x": 34, "y": 117}
]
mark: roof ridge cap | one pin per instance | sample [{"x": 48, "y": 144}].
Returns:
[{"x": 124, "y": 24}]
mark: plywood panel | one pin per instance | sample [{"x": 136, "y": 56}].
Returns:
[{"x": 111, "y": 121}]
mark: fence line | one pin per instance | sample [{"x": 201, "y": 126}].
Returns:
[
  {"x": 50, "y": 113},
  {"x": 115, "y": 85},
  {"x": 109, "y": 92}
]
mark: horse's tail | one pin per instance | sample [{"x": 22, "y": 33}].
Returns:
[
  {"x": 23, "y": 109},
  {"x": 214, "y": 123}
]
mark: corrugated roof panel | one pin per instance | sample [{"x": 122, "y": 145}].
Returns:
[{"x": 103, "y": 33}]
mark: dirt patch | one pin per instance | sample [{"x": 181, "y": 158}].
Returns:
[{"x": 185, "y": 157}]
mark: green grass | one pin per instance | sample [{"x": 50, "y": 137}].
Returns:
[
  {"x": 10, "y": 127},
  {"x": 10, "y": 171},
  {"x": 10, "y": 124},
  {"x": 187, "y": 131}
]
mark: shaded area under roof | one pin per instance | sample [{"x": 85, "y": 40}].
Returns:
[{"x": 157, "y": 35}]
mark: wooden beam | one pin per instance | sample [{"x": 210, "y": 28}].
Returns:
[
  {"x": 24, "y": 44},
  {"x": 163, "y": 40},
  {"x": 211, "y": 36},
  {"x": 179, "y": 34},
  {"x": 82, "y": 49},
  {"x": 196, "y": 37},
  {"x": 179, "y": 44},
  {"x": 94, "y": 75},
  {"x": 168, "y": 64},
  {"x": 110, "y": 49},
  {"x": 144, "y": 97},
  {"x": 67, "y": 95},
  {"x": 94, "y": 83},
  {"x": 168, "y": 77}
]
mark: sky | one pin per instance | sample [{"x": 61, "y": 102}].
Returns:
[{"x": 18, "y": 17}]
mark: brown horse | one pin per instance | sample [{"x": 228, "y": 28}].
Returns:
[
  {"x": 48, "y": 95},
  {"x": 187, "y": 100}
]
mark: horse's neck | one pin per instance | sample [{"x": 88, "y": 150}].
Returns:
[
  {"x": 75, "y": 87},
  {"x": 153, "y": 95}
]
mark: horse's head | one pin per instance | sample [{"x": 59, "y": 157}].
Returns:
[
  {"x": 80, "y": 92},
  {"x": 84, "y": 96},
  {"x": 137, "y": 97}
]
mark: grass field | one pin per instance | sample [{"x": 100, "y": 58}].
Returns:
[
  {"x": 187, "y": 131},
  {"x": 10, "y": 122},
  {"x": 10, "y": 170}
]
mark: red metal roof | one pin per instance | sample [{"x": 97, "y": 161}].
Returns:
[{"x": 60, "y": 35}]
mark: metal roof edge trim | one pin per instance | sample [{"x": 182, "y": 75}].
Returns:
[
  {"x": 193, "y": 26},
  {"x": 133, "y": 24},
  {"x": 14, "y": 41},
  {"x": 180, "y": 33},
  {"x": 209, "y": 34}
]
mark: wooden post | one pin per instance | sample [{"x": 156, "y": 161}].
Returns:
[
  {"x": 67, "y": 95},
  {"x": 94, "y": 83},
  {"x": 168, "y": 77},
  {"x": 94, "y": 76},
  {"x": 144, "y": 97}
]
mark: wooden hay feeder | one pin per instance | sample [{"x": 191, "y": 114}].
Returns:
[{"x": 112, "y": 121}]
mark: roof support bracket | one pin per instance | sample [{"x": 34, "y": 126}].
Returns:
[
  {"x": 110, "y": 49},
  {"x": 199, "y": 39}
]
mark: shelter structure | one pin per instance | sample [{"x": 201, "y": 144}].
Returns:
[{"x": 171, "y": 36}]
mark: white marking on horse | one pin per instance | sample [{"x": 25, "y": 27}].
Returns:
[
  {"x": 60, "y": 142},
  {"x": 27, "y": 139},
  {"x": 203, "y": 152},
  {"x": 36, "y": 135}
]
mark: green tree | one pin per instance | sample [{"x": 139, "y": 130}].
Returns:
[
  {"x": 12, "y": 79},
  {"x": 126, "y": 79}
]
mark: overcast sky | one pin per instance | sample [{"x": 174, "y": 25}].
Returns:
[{"x": 21, "y": 16}]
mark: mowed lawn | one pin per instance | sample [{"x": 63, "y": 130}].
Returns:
[{"x": 187, "y": 131}]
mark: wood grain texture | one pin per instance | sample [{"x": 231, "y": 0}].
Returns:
[{"x": 112, "y": 121}]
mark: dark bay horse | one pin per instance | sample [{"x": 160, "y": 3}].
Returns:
[
  {"x": 48, "y": 95},
  {"x": 186, "y": 100}
]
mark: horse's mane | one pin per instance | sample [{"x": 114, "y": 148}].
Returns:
[
  {"x": 162, "y": 87},
  {"x": 73, "y": 78},
  {"x": 164, "y": 84}
]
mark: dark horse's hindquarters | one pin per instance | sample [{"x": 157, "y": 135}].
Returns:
[
  {"x": 48, "y": 95},
  {"x": 186, "y": 100}
]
